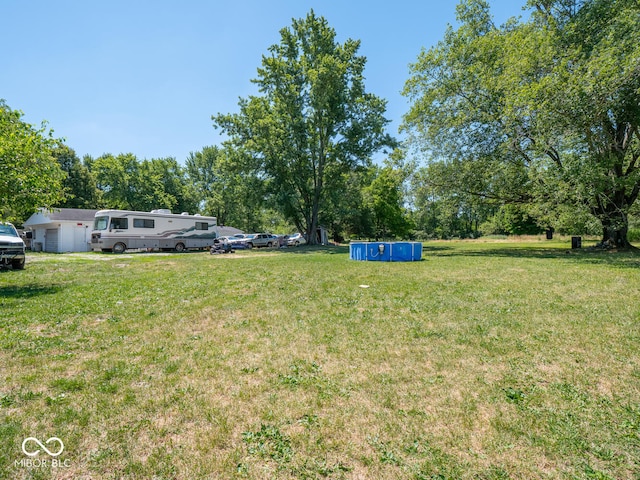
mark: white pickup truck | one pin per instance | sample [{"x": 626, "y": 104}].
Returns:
[{"x": 11, "y": 247}]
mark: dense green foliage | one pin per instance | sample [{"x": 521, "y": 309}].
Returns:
[
  {"x": 130, "y": 184},
  {"x": 30, "y": 177},
  {"x": 80, "y": 186},
  {"x": 227, "y": 188},
  {"x": 383, "y": 198},
  {"x": 543, "y": 112}
]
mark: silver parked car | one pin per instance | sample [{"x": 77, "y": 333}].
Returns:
[
  {"x": 296, "y": 239},
  {"x": 263, "y": 240}
]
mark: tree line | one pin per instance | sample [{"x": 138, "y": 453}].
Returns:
[{"x": 512, "y": 129}]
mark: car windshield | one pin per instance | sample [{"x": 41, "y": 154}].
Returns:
[{"x": 8, "y": 230}]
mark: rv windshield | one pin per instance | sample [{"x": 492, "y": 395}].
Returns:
[{"x": 100, "y": 223}]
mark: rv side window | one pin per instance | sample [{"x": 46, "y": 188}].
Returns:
[
  {"x": 144, "y": 223},
  {"x": 119, "y": 223},
  {"x": 202, "y": 226}
]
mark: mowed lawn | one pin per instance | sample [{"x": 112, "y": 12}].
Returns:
[{"x": 486, "y": 360}]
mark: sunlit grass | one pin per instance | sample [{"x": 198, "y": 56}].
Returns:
[{"x": 485, "y": 360}]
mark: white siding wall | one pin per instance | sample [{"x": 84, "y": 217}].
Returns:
[
  {"x": 70, "y": 237},
  {"x": 81, "y": 238}
]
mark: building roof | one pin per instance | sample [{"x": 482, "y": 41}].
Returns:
[{"x": 61, "y": 214}]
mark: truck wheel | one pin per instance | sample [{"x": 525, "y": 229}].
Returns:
[
  {"x": 119, "y": 247},
  {"x": 179, "y": 247},
  {"x": 249, "y": 245},
  {"x": 18, "y": 264},
  {"x": 269, "y": 244}
]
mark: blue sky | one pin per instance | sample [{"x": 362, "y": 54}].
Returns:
[{"x": 145, "y": 77}]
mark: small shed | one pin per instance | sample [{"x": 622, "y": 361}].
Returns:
[
  {"x": 61, "y": 230},
  {"x": 322, "y": 236}
]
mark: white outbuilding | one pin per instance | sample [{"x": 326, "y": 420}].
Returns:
[{"x": 61, "y": 230}]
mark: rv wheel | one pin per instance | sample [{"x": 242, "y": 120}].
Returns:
[
  {"x": 180, "y": 247},
  {"x": 119, "y": 247}
]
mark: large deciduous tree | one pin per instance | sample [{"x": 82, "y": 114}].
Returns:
[
  {"x": 30, "y": 177},
  {"x": 544, "y": 111},
  {"x": 313, "y": 120}
]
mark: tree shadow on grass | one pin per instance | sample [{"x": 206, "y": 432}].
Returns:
[
  {"x": 27, "y": 291},
  {"x": 436, "y": 249},
  {"x": 315, "y": 249},
  {"x": 590, "y": 255}
]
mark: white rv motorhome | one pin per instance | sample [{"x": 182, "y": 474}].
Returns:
[{"x": 119, "y": 230}]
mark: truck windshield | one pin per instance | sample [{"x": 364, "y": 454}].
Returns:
[
  {"x": 8, "y": 230},
  {"x": 100, "y": 223}
]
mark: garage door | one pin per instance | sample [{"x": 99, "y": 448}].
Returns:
[{"x": 51, "y": 240}]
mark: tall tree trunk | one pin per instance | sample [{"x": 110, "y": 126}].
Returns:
[
  {"x": 614, "y": 203},
  {"x": 318, "y": 183},
  {"x": 615, "y": 224},
  {"x": 614, "y": 233},
  {"x": 313, "y": 227}
]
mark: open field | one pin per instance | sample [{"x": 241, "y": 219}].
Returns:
[{"x": 486, "y": 360}]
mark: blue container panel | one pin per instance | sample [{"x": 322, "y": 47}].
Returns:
[
  {"x": 417, "y": 251},
  {"x": 406, "y": 251},
  {"x": 357, "y": 251},
  {"x": 400, "y": 252}
]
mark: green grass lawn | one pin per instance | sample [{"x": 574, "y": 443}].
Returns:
[{"x": 486, "y": 360}]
